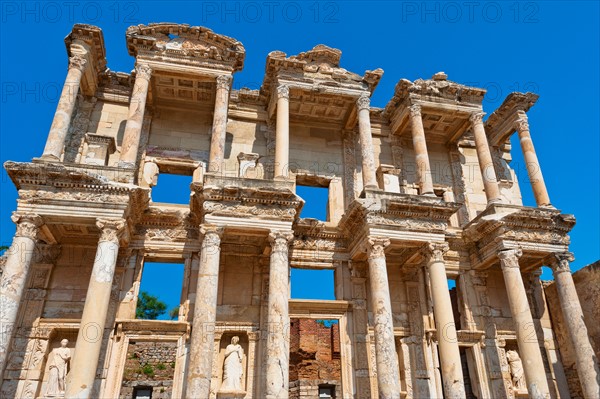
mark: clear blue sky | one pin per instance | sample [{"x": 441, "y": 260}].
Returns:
[{"x": 551, "y": 48}]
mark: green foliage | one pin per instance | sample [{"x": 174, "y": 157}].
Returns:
[
  {"x": 149, "y": 307},
  {"x": 148, "y": 370},
  {"x": 174, "y": 313},
  {"x": 3, "y": 248},
  {"x": 161, "y": 366}
]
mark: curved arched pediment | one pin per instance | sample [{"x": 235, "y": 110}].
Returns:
[{"x": 176, "y": 42}]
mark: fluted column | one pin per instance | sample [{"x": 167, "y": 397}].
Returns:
[
  {"x": 81, "y": 378},
  {"x": 529, "y": 347},
  {"x": 587, "y": 364},
  {"x": 278, "y": 320},
  {"x": 533, "y": 165},
  {"x": 282, "y": 132},
  {"x": 205, "y": 315},
  {"x": 135, "y": 117},
  {"x": 64, "y": 111},
  {"x": 444, "y": 322},
  {"x": 219, "y": 127},
  {"x": 388, "y": 373},
  {"x": 14, "y": 277},
  {"x": 421, "y": 155},
  {"x": 363, "y": 105},
  {"x": 484, "y": 156}
]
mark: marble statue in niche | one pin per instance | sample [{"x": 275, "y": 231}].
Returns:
[
  {"x": 59, "y": 362},
  {"x": 232, "y": 366},
  {"x": 516, "y": 370}
]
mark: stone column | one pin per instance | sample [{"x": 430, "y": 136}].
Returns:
[
  {"x": 421, "y": 154},
  {"x": 135, "y": 117},
  {"x": 533, "y": 166},
  {"x": 81, "y": 378},
  {"x": 587, "y": 366},
  {"x": 388, "y": 373},
  {"x": 199, "y": 373},
  {"x": 444, "y": 322},
  {"x": 219, "y": 126},
  {"x": 14, "y": 277},
  {"x": 282, "y": 132},
  {"x": 529, "y": 348},
  {"x": 363, "y": 105},
  {"x": 278, "y": 320},
  {"x": 484, "y": 156},
  {"x": 64, "y": 111}
]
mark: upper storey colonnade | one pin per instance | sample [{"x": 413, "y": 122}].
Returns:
[{"x": 428, "y": 111}]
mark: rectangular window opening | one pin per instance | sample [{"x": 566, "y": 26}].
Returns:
[
  {"x": 160, "y": 291},
  {"x": 316, "y": 201},
  {"x": 172, "y": 189},
  {"x": 453, "y": 288},
  {"x": 313, "y": 284}
]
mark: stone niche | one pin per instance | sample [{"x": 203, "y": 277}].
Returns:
[
  {"x": 149, "y": 370},
  {"x": 226, "y": 338},
  {"x": 98, "y": 149},
  {"x": 57, "y": 337}
]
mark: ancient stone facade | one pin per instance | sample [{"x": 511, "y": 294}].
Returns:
[{"x": 420, "y": 192}]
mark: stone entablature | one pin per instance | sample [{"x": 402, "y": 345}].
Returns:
[{"x": 419, "y": 192}]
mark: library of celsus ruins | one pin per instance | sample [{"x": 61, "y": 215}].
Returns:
[{"x": 436, "y": 261}]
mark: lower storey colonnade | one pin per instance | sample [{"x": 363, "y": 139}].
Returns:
[{"x": 400, "y": 361}]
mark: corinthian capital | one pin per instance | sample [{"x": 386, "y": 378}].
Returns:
[
  {"x": 415, "y": 111},
  {"x": 560, "y": 262},
  {"x": 283, "y": 91},
  {"x": 280, "y": 240},
  {"x": 224, "y": 81},
  {"x": 28, "y": 224},
  {"x": 211, "y": 235},
  {"x": 509, "y": 258},
  {"x": 476, "y": 117},
  {"x": 363, "y": 102},
  {"x": 143, "y": 71},
  {"x": 376, "y": 246},
  {"x": 111, "y": 229},
  {"x": 78, "y": 62},
  {"x": 522, "y": 124},
  {"x": 434, "y": 251}
]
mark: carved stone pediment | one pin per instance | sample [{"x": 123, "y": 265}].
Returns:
[
  {"x": 177, "y": 43},
  {"x": 401, "y": 212},
  {"x": 319, "y": 66},
  {"x": 246, "y": 198}
]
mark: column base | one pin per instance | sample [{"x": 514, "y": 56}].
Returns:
[
  {"x": 494, "y": 201},
  {"x": 430, "y": 194},
  {"x": 547, "y": 206}
]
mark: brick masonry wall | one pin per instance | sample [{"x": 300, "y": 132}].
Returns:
[
  {"x": 149, "y": 364},
  {"x": 314, "y": 357}
]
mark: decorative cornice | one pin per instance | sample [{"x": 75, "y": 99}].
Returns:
[
  {"x": 111, "y": 230},
  {"x": 509, "y": 258},
  {"x": 28, "y": 224}
]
